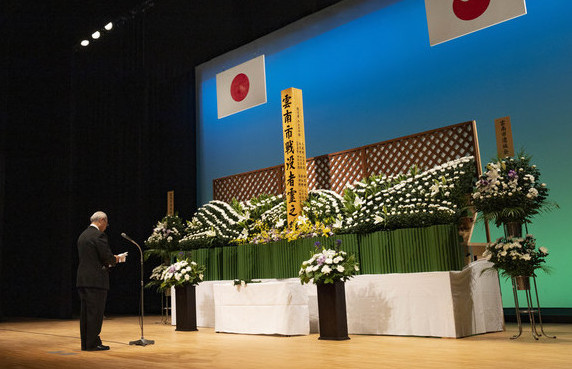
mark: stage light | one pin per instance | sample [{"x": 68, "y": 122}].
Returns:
[{"x": 121, "y": 20}]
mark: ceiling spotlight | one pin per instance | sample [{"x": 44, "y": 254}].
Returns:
[
  {"x": 109, "y": 26},
  {"x": 95, "y": 35},
  {"x": 84, "y": 43}
]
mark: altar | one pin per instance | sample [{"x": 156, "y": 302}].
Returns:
[
  {"x": 451, "y": 304},
  {"x": 436, "y": 304},
  {"x": 262, "y": 308}
]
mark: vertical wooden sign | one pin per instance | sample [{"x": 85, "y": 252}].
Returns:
[
  {"x": 171, "y": 203},
  {"x": 505, "y": 146},
  {"x": 295, "y": 177}
]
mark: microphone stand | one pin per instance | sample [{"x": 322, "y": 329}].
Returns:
[{"x": 142, "y": 341}]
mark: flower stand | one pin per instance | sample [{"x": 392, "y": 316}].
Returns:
[
  {"x": 332, "y": 311},
  {"x": 166, "y": 307},
  {"x": 522, "y": 283},
  {"x": 185, "y": 298}
]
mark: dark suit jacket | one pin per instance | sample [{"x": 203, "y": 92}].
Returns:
[{"x": 95, "y": 257}]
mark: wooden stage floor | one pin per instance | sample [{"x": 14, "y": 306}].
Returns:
[{"x": 55, "y": 344}]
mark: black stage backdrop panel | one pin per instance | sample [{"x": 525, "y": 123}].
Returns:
[{"x": 110, "y": 127}]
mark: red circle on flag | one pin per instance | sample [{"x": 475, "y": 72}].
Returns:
[
  {"x": 470, "y": 9},
  {"x": 239, "y": 87}
]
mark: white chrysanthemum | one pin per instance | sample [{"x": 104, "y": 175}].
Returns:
[{"x": 533, "y": 192}]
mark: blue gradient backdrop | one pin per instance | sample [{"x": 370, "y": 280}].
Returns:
[{"x": 368, "y": 74}]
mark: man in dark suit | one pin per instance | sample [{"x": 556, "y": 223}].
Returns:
[{"x": 95, "y": 257}]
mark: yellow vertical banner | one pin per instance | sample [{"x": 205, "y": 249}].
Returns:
[
  {"x": 295, "y": 177},
  {"x": 171, "y": 203},
  {"x": 505, "y": 146}
]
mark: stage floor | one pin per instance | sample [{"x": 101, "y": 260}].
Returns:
[{"x": 27, "y": 343}]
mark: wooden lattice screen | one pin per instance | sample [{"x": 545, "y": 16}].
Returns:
[{"x": 335, "y": 171}]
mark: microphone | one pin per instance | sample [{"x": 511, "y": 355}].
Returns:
[
  {"x": 142, "y": 341},
  {"x": 127, "y": 237}
]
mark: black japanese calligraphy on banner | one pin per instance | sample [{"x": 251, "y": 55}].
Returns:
[
  {"x": 286, "y": 101},
  {"x": 295, "y": 184},
  {"x": 289, "y": 163},
  {"x": 287, "y": 116},
  {"x": 289, "y": 147},
  {"x": 171, "y": 203},
  {"x": 291, "y": 177},
  {"x": 505, "y": 146}
]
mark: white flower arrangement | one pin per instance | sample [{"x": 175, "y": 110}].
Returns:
[
  {"x": 165, "y": 237},
  {"x": 183, "y": 272},
  {"x": 418, "y": 198},
  {"x": 516, "y": 256},
  {"x": 435, "y": 196},
  {"x": 328, "y": 266},
  {"x": 509, "y": 191}
]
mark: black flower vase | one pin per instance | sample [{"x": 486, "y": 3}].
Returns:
[
  {"x": 332, "y": 311},
  {"x": 513, "y": 229},
  {"x": 522, "y": 282},
  {"x": 186, "y": 304}
]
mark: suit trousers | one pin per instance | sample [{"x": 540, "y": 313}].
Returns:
[{"x": 91, "y": 315}]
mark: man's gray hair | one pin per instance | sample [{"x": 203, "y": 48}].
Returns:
[{"x": 98, "y": 215}]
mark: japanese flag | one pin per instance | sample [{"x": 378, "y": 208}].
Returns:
[
  {"x": 241, "y": 87},
  {"x": 449, "y": 19}
]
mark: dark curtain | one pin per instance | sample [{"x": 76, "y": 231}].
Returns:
[
  {"x": 36, "y": 261},
  {"x": 1, "y": 224},
  {"x": 110, "y": 127},
  {"x": 132, "y": 139},
  {"x": 4, "y": 81}
]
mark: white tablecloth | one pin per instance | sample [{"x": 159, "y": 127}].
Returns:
[
  {"x": 438, "y": 304},
  {"x": 262, "y": 308},
  {"x": 205, "y": 304}
]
